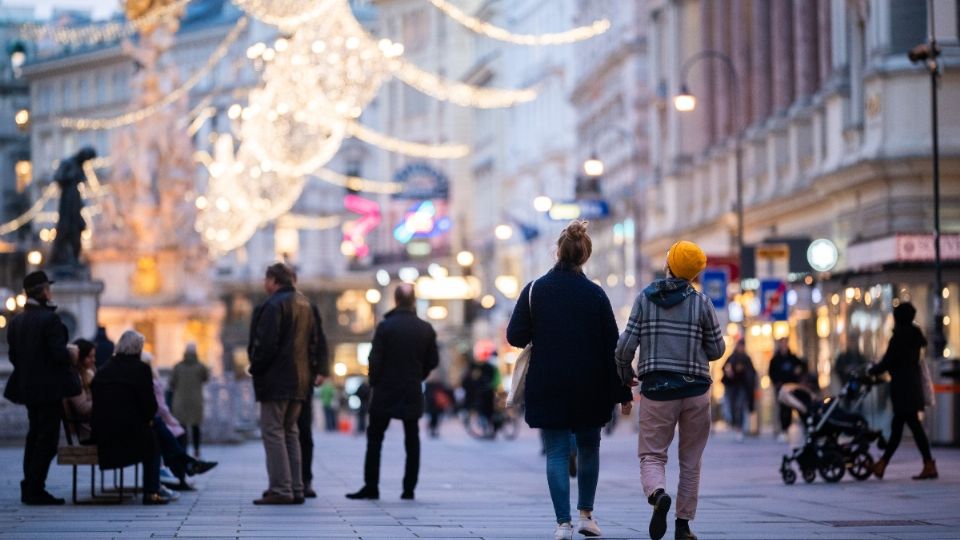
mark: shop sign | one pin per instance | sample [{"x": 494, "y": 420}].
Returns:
[
  {"x": 902, "y": 248},
  {"x": 773, "y": 299},
  {"x": 582, "y": 209},
  {"x": 715, "y": 286},
  {"x": 919, "y": 247},
  {"x": 421, "y": 181}
]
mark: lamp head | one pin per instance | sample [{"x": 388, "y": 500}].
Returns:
[
  {"x": 593, "y": 167},
  {"x": 684, "y": 101}
]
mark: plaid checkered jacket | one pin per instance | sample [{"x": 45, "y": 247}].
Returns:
[{"x": 682, "y": 338}]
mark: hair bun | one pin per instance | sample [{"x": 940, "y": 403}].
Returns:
[{"x": 576, "y": 229}]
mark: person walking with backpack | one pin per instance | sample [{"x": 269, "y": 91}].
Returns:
[
  {"x": 676, "y": 330},
  {"x": 572, "y": 382}
]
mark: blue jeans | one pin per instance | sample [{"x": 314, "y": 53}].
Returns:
[{"x": 557, "y": 443}]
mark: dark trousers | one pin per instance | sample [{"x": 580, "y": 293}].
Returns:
[
  {"x": 896, "y": 433},
  {"x": 171, "y": 449},
  {"x": 194, "y": 431},
  {"x": 305, "y": 425},
  {"x": 329, "y": 419},
  {"x": 411, "y": 440},
  {"x": 151, "y": 473},
  {"x": 41, "y": 447}
]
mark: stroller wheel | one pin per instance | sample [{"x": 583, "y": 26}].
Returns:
[
  {"x": 789, "y": 476},
  {"x": 832, "y": 466},
  {"x": 861, "y": 467},
  {"x": 809, "y": 475}
]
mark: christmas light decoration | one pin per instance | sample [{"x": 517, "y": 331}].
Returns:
[
  {"x": 100, "y": 33},
  {"x": 428, "y": 151},
  {"x": 285, "y": 14},
  {"x": 132, "y": 117},
  {"x": 495, "y": 32}
]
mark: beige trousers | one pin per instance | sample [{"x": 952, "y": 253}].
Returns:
[{"x": 658, "y": 420}]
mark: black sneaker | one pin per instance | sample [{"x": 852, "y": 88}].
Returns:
[
  {"x": 196, "y": 467},
  {"x": 658, "y": 522},
  {"x": 365, "y": 493},
  {"x": 309, "y": 493},
  {"x": 407, "y": 496}
]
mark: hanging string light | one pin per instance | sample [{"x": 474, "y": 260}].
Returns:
[
  {"x": 132, "y": 117},
  {"x": 390, "y": 144},
  {"x": 357, "y": 183},
  {"x": 458, "y": 93},
  {"x": 501, "y": 34},
  {"x": 99, "y": 33},
  {"x": 285, "y": 14}
]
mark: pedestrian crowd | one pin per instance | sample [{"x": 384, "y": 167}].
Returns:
[{"x": 576, "y": 369}]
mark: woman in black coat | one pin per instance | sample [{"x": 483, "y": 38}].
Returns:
[
  {"x": 572, "y": 381},
  {"x": 902, "y": 361},
  {"x": 124, "y": 406}
]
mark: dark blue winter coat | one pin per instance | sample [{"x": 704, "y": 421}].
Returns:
[{"x": 572, "y": 380}]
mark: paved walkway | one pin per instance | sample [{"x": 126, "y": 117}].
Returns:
[{"x": 478, "y": 489}]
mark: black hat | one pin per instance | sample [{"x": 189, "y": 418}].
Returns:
[{"x": 36, "y": 279}]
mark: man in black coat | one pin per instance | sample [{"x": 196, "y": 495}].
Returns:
[
  {"x": 283, "y": 346},
  {"x": 40, "y": 380},
  {"x": 404, "y": 352}
]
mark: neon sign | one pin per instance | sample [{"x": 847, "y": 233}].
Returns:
[
  {"x": 421, "y": 221},
  {"x": 355, "y": 232}
]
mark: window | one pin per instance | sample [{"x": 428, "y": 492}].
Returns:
[
  {"x": 83, "y": 93},
  {"x": 101, "y": 97},
  {"x": 416, "y": 32}
]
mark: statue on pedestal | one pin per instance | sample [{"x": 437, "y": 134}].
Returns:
[{"x": 65, "y": 252}]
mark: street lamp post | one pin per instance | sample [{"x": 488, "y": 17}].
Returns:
[
  {"x": 927, "y": 53},
  {"x": 594, "y": 167},
  {"x": 686, "y": 102}
]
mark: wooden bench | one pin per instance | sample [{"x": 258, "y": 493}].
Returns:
[{"x": 76, "y": 454}]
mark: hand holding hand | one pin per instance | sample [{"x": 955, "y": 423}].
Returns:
[{"x": 626, "y": 408}]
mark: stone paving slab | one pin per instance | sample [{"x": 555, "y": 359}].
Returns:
[{"x": 486, "y": 490}]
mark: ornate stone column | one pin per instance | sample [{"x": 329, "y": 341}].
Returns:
[
  {"x": 760, "y": 68},
  {"x": 824, "y": 32},
  {"x": 740, "y": 53},
  {"x": 781, "y": 15},
  {"x": 806, "y": 59},
  {"x": 709, "y": 92},
  {"x": 721, "y": 75}
]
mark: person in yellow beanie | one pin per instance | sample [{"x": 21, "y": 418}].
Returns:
[
  {"x": 686, "y": 260},
  {"x": 676, "y": 330}
]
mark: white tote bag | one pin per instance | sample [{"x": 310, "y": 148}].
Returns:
[{"x": 519, "y": 381}]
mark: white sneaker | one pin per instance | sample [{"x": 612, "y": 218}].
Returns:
[
  {"x": 564, "y": 532},
  {"x": 589, "y": 527}
]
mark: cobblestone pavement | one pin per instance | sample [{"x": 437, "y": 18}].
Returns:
[{"x": 480, "y": 489}]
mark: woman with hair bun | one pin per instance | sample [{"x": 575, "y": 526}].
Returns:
[{"x": 572, "y": 382}]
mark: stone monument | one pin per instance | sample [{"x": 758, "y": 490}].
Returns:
[
  {"x": 145, "y": 246},
  {"x": 74, "y": 291}
]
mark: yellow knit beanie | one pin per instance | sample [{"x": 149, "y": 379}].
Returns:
[{"x": 686, "y": 260}]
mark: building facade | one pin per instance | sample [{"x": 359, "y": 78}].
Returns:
[{"x": 831, "y": 124}]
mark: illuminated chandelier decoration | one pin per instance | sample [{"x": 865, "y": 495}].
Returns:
[{"x": 316, "y": 84}]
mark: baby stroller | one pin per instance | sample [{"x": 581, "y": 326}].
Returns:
[{"x": 836, "y": 439}]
